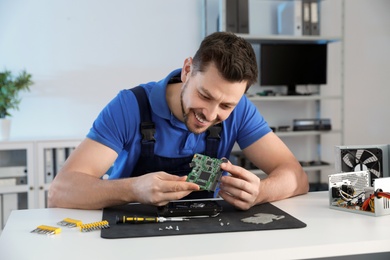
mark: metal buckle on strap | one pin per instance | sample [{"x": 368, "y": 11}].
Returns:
[{"x": 148, "y": 130}]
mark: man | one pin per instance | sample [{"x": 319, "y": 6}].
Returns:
[{"x": 185, "y": 107}]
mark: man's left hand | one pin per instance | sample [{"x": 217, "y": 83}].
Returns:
[{"x": 241, "y": 188}]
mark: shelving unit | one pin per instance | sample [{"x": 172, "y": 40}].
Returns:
[
  {"x": 23, "y": 167},
  {"x": 326, "y": 101},
  {"x": 16, "y": 178}
]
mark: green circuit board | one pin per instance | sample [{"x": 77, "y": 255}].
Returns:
[{"x": 205, "y": 172}]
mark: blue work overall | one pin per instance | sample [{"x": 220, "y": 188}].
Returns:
[{"x": 150, "y": 162}]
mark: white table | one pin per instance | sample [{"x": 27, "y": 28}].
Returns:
[{"x": 328, "y": 233}]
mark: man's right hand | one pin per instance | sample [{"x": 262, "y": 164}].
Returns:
[{"x": 159, "y": 188}]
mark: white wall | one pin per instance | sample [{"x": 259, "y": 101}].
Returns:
[
  {"x": 82, "y": 54},
  {"x": 367, "y": 72}
]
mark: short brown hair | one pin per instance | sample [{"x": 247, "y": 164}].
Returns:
[{"x": 232, "y": 55}]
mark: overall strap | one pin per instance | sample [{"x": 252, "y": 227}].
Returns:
[
  {"x": 213, "y": 139},
  {"x": 147, "y": 126}
]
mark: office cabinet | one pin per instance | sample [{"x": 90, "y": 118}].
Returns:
[
  {"x": 16, "y": 178},
  {"x": 26, "y": 171}
]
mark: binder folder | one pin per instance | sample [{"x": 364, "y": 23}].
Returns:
[
  {"x": 306, "y": 17},
  {"x": 236, "y": 15},
  {"x": 60, "y": 157},
  {"x": 290, "y": 18},
  {"x": 69, "y": 150},
  {"x": 231, "y": 16},
  {"x": 314, "y": 17},
  {"x": 242, "y": 16},
  {"x": 49, "y": 165}
]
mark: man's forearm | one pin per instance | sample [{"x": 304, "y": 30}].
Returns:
[
  {"x": 283, "y": 183},
  {"x": 79, "y": 190}
]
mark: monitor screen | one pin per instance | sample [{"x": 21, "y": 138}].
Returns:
[{"x": 293, "y": 64}]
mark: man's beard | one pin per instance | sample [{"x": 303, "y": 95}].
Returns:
[{"x": 185, "y": 115}]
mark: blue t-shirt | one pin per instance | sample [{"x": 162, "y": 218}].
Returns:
[{"x": 118, "y": 127}]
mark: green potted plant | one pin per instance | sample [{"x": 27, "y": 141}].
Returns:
[{"x": 10, "y": 86}]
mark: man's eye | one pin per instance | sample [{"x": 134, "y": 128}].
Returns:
[
  {"x": 226, "y": 107},
  {"x": 203, "y": 96}
]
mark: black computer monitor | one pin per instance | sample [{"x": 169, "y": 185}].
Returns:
[{"x": 293, "y": 64}]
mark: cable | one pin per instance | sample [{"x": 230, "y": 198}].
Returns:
[
  {"x": 378, "y": 194},
  {"x": 343, "y": 194}
]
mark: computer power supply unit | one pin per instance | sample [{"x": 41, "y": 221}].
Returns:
[
  {"x": 372, "y": 158},
  {"x": 354, "y": 192}
]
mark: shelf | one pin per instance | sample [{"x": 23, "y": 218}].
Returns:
[
  {"x": 306, "y": 133},
  {"x": 263, "y": 175},
  {"x": 318, "y": 168},
  {"x": 289, "y": 98},
  {"x": 14, "y": 189},
  {"x": 288, "y": 39}
]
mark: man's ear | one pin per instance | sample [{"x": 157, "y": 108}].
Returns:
[{"x": 186, "y": 70}]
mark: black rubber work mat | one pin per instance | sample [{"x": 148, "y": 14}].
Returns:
[{"x": 229, "y": 220}]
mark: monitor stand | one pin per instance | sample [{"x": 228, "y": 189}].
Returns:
[{"x": 291, "y": 91}]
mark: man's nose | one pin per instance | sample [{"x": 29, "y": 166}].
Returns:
[{"x": 211, "y": 112}]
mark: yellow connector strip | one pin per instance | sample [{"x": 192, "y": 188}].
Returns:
[
  {"x": 47, "y": 230},
  {"x": 94, "y": 226},
  {"x": 69, "y": 222}
]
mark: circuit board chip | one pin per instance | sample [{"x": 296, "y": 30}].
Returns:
[{"x": 205, "y": 172}]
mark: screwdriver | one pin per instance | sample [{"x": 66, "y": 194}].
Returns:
[{"x": 139, "y": 219}]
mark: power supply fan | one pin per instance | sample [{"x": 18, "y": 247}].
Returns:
[{"x": 363, "y": 160}]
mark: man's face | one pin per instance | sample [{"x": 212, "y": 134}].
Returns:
[{"x": 208, "y": 99}]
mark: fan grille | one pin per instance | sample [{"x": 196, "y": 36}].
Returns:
[{"x": 363, "y": 160}]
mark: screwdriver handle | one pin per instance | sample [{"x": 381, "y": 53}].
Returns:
[{"x": 135, "y": 219}]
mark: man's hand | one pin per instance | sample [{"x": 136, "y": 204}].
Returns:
[
  {"x": 160, "y": 187},
  {"x": 241, "y": 189}
]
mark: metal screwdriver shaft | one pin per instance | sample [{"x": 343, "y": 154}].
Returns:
[{"x": 139, "y": 219}]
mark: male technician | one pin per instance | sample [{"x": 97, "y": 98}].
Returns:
[{"x": 186, "y": 109}]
